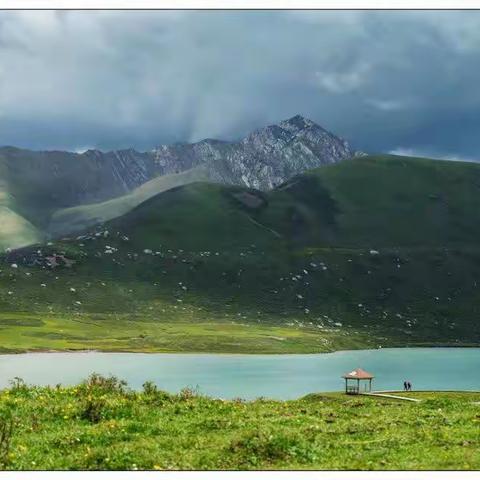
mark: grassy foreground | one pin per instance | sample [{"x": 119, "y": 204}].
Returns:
[{"x": 102, "y": 425}]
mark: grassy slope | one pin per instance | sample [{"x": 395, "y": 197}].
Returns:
[
  {"x": 107, "y": 429},
  {"x": 83, "y": 216},
  {"x": 15, "y": 230},
  {"x": 386, "y": 201},
  {"x": 300, "y": 261},
  {"x": 23, "y": 209},
  {"x": 36, "y": 203},
  {"x": 32, "y": 194}
]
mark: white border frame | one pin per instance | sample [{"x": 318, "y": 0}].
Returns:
[
  {"x": 242, "y": 5},
  {"x": 241, "y": 475}
]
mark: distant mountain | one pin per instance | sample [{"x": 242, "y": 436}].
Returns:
[
  {"x": 262, "y": 160},
  {"x": 37, "y": 184}
]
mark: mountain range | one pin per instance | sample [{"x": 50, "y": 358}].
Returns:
[
  {"x": 54, "y": 192},
  {"x": 286, "y": 241}
]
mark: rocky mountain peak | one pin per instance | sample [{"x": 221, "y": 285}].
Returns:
[
  {"x": 297, "y": 123},
  {"x": 263, "y": 159}
]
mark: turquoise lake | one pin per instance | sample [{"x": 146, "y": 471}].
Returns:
[{"x": 251, "y": 376}]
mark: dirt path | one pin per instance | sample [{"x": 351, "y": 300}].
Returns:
[
  {"x": 258, "y": 224},
  {"x": 387, "y": 395}
]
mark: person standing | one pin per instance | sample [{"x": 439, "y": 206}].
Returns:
[{"x": 405, "y": 386}]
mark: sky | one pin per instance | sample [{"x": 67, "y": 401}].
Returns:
[{"x": 399, "y": 81}]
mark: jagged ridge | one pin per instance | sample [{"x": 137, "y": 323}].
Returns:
[
  {"x": 264, "y": 159},
  {"x": 43, "y": 183}
]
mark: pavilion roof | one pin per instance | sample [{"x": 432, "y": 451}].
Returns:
[{"x": 358, "y": 373}]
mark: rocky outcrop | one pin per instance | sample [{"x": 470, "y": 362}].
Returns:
[{"x": 262, "y": 160}]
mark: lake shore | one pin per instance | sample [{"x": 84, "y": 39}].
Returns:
[
  {"x": 171, "y": 352},
  {"x": 33, "y": 332}
]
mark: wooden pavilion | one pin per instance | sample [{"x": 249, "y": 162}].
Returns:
[{"x": 358, "y": 375}]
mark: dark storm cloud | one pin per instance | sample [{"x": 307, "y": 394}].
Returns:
[{"x": 386, "y": 81}]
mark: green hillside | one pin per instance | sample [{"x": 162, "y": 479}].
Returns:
[
  {"x": 44, "y": 194},
  {"x": 34, "y": 191},
  {"x": 15, "y": 230},
  {"x": 387, "y": 201},
  {"x": 80, "y": 217},
  {"x": 373, "y": 251}
]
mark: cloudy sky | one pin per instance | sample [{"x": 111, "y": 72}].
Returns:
[{"x": 385, "y": 81}]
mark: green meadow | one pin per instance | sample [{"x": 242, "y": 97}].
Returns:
[
  {"x": 101, "y": 425},
  {"x": 29, "y": 332}
]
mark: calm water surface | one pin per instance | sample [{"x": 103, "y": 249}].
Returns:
[{"x": 251, "y": 376}]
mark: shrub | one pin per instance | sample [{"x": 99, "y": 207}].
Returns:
[
  {"x": 152, "y": 395},
  {"x": 7, "y": 424},
  {"x": 188, "y": 393},
  {"x": 18, "y": 385},
  {"x": 93, "y": 409},
  {"x": 149, "y": 388},
  {"x": 110, "y": 384}
]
